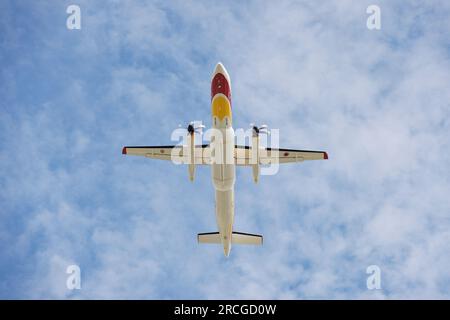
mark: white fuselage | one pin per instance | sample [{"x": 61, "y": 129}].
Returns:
[
  {"x": 223, "y": 177},
  {"x": 222, "y": 144}
]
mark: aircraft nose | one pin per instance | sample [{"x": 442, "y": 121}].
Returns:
[
  {"x": 220, "y": 82},
  {"x": 221, "y": 69}
]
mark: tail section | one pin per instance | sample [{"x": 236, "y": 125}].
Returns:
[
  {"x": 236, "y": 238},
  {"x": 209, "y": 237},
  {"x": 246, "y": 238}
]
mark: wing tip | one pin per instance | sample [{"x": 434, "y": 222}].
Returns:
[
  {"x": 124, "y": 150},
  {"x": 325, "y": 156}
]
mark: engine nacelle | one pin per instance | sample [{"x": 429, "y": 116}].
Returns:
[
  {"x": 190, "y": 149},
  {"x": 254, "y": 158}
]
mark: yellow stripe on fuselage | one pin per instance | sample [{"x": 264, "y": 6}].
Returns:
[{"x": 221, "y": 107}]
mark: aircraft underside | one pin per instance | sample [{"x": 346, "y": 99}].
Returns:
[{"x": 223, "y": 155}]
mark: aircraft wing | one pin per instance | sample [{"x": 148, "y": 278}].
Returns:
[
  {"x": 172, "y": 153},
  {"x": 243, "y": 155}
]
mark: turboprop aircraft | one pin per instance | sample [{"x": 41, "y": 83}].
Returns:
[{"x": 222, "y": 154}]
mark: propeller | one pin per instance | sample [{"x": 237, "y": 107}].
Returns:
[
  {"x": 194, "y": 127},
  {"x": 263, "y": 129}
]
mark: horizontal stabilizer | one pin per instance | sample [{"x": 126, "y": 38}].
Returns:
[
  {"x": 210, "y": 237},
  {"x": 247, "y": 238},
  {"x": 237, "y": 238}
]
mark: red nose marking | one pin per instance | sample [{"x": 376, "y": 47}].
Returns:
[{"x": 219, "y": 84}]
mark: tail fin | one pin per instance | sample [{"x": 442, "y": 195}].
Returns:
[
  {"x": 246, "y": 238},
  {"x": 237, "y": 238}
]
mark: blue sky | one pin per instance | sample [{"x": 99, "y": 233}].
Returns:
[{"x": 377, "y": 101}]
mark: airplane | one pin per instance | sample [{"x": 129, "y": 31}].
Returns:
[{"x": 223, "y": 155}]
